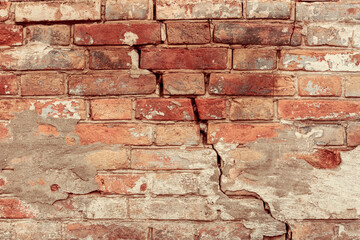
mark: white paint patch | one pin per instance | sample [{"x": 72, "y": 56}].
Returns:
[{"x": 130, "y": 38}]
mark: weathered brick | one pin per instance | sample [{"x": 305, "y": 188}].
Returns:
[
  {"x": 224, "y": 231},
  {"x": 183, "y": 84},
  {"x": 127, "y": 9},
  {"x": 4, "y": 10},
  {"x": 57, "y": 11},
  {"x": 319, "y": 109},
  {"x": 13, "y": 208},
  {"x": 319, "y": 60},
  {"x": 192, "y": 208},
  {"x": 198, "y": 9},
  {"x": 178, "y": 134},
  {"x": 11, "y": 35},
  {"x": 254, "y": 59},
  {"x": 211, "y": 108},
  {"x": 333, "y": 135},
  {"x": 8, "y": 85},
  {"x": 252, "y": 108},
  {"x": 188, "y": 32},
  {"x": 328, "y": 34},
  {"x": 101, "y": 84},
  {"x": 325, "y": 230},
  {"x": 164, "y": 109},
  {"x": 123, "y": 183},
  {"x": 117, "y": 34},
  {"x": 108, "y": 159},
  {"x": 352, "y": 86},
  {"x": 105, "y": 230},
  {"x": 179, "y": 231},
  {"x": 180, "y": 58},
  {"x": 52, "y": 35},
  {"x": 159, "y": 159},
  {"x": 319, "y": 85},
  {"x": 320, "y": 158},
  {"x": 110, "y": 59},
  {"x": 327, "y": 11},
  {"x": 4, "y": 133},
  {"x": 241, "y": 133},
  {"x": 105, "y": 109},
  {"x": 41, "y": 57},
  {"x": 128, "y": 134},
  {"x": 37, "y": 230},
  {"x": 353, "y": 134},
  {"x": 268, "y": 9},
  {"x": 256, "y": 34},
  {"x": 251, "y": 84},
  {"x": 101, "y": 207},
  {"x": 42, "y": 84},
  {"x": 56, "y": 108}
]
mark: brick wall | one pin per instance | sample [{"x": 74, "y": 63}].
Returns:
[{"x": 179, "y": 119}]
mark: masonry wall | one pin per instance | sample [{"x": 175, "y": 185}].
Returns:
[{"x": 180, "y": 119}]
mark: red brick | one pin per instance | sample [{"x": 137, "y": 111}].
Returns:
[
  {"x": 8, "y": 85},
  {"x": 178, "y": 134},
  {"x": 184, "y": 84},
  {"x": 319, "y": 85},
  {"x": 106, "y": 230},
  {"x": 319, "y": 60},
  {"x": 42, "y": 84},
  {"x": 252, "y": 109},
  {"x": 198, "y": 9},
  {"x": 211, "y": 108},
  {"x": 353, "y": 134},
  {"x": 122, "y": 183},
  {"x": 101, "y": 84},
  {"x": 58, "y": 108},
  {"x": 128, "y": 134},
  {"x": 11, "y": 35},
  {"x": 256, "y": 34},
  {"x": 180, "y": 58},
  {"x": 13, "y": 209},
  {"x": 106, "y": 109},
  {"x": 319, "y": 109},
  {"x": 117, "y": 34},
  {"x": 58, "y": 11},
  {"x": 110, "y": 59},
  {"x": 268, "y": 9},
  {"x": 161, "y": 159},
  {"x": 41, "y": 57},
  {"x": 188, "y": 32},
  {"x": 251, "y": 84},
  {"x": 52, "y": 35},
  {"x": 127, "y": 9},
  {"x": 320, "y": 158},
  {"x": 164, "y": 109},
  {"x": 4, "y": 10},
  {"x": 241, "y": 133},
  {"x": 254, "y": 59}
]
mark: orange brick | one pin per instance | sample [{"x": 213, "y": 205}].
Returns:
[
  {"x": 211, "y": 108},
  {"x": 316, "y": 85},
  {"x": 8, "y": 85},
  {"x": 106, "y": 109},
  {"x": 252, "y": 108},
  {"x": 42, "y": 84},
  {"x": 178, "y": 134}
]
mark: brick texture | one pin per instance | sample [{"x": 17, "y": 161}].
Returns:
[{"x": 180, "y": 119}]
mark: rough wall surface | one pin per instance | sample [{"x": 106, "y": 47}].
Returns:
[{"x": 180, "y": 119}]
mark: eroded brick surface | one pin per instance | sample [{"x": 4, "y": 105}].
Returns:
[{"x": 179, "y": 119}]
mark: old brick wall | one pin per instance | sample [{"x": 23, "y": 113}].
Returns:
[{"x": 180, "y": 119}]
